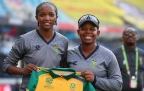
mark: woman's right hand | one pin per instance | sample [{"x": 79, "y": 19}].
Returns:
[{"x": 28, "y": 69}]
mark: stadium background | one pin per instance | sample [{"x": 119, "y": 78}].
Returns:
[{"x": 18, "y": 17}]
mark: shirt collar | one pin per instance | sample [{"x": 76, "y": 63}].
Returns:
[{"x": 67, "y": 77}]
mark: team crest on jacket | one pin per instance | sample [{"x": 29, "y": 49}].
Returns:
[
  {"x": 56, "y": 48},
  {"x": 93, "y": 64}
]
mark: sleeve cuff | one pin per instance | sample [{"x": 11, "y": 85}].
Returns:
[{"x": 94, "y": 80}]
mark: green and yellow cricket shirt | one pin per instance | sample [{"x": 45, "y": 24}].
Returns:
[{"x": 58, "y": 79}]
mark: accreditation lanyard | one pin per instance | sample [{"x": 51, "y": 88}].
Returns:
[{"x": 126, "y": 61}]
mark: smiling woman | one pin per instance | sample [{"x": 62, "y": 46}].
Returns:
[
  {"x": 42, "y": 47},
  {"x": 46, "y": 15},
  {"x": 97, "y": 63}
]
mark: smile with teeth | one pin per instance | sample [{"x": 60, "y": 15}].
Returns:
[
  {"x": 88, "y": 37},
  {"x": 47, "y": 23}
]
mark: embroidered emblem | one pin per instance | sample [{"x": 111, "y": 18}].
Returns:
[
  {"x": 93, "y": 64},
  {"x": 49, "y": 80},
  {"x": 56, "y": 48},
  {"x": 72, "y": 86},
  {"x": 37, "y": 47}
]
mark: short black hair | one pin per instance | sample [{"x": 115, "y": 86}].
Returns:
[{"x": 130, "y": 28}]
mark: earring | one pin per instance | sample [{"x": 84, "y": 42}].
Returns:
[{"x": 55, "y": 23}]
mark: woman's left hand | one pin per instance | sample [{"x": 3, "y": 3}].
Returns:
[{"x": 88, "y": 75}]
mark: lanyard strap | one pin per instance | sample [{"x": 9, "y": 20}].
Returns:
[{"x": 126, "y": 61}]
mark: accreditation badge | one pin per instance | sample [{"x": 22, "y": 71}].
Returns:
[{"x": 133, "y": 82}]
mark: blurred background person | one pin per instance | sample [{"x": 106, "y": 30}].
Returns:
[{"x": 131, "y": 61}]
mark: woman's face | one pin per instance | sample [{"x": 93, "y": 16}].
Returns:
[
  {"x": 88, "y": 33},
  {"x": 46, "y": 17}
]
